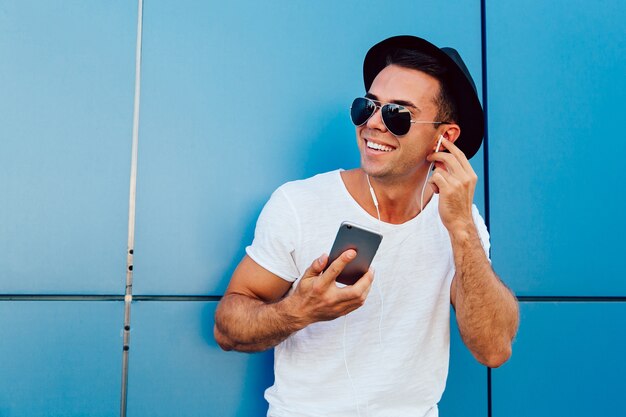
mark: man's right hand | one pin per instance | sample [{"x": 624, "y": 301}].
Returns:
[
  {"x": 254, "y": 313},
  {"x": 317, "y": 296}
]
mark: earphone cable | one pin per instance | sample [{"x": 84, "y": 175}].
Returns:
[
  {"x": 378, "y": 286},
  {"x": 345, "y": 362},
  {"x": 430, "y": 168}
]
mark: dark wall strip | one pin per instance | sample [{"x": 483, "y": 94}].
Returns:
[
  {"x": 177, "y": 297},
  {"x": 112, "y": 297},
  {"x": 483, "y": 47},
  {"x": 107, "y": 297},
  {"x": 60, "y": 297},
  {"x": 483, "y": 40},
  {"x": 566, "y": 299},
  {"x": 489, "y": 400}
]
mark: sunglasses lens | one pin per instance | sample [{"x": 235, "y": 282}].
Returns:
[
  {"x": 397, "y": 119},
  {"x": 361, "y": 110}
]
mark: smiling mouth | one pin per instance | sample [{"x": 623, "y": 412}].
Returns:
[{"x": 378, "y": 146}]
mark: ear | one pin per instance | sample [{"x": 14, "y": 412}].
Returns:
[{"x": 450, "y": 131}]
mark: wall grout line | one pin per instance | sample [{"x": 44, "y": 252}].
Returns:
[
  {"x": 570, "y": 299},
  {"x": 61, "y": 297},
  {"x": 209, "y": 298},
  {"x": 128, "y": 293},
  {"x": 483, "y": 38},
  {"x": 489, "y": 393},
  {"x": 180, "y": 297},
  {"x": 483, "y": 49}
]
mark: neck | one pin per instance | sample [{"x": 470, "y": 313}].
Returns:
[{"x": 398, "y": 198}]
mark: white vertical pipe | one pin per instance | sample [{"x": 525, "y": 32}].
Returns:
[{"x": 128, "y": 297}]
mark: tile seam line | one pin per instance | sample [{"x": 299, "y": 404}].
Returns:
[
  {"x": 209, "y": 298},
  {"x": 128, "y": 292},
  {"x": 487, "y": 201},
  {"x": 572, "y": 298}
]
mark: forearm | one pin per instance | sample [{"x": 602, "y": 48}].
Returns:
[
  {"x": 487, "y": 312},
  {"x": 249, "y": 325}
]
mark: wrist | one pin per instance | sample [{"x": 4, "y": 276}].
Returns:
[
  {"x": 293, "y": 312},
  {"x": 462, "y": 231}
]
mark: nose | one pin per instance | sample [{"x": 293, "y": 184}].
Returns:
[{"x": 376, "y": 120}]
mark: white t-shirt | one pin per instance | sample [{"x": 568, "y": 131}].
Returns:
[{"x": 388, "y": 358}]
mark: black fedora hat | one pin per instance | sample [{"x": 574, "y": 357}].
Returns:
[{"x": 458, "y": 80}]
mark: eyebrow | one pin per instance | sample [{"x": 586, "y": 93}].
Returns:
[{"x": 404, "y": 103}]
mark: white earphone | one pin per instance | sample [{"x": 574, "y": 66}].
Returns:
[
  {"x": 439, "y": 143},
  {"x": 430, "y": 169}
]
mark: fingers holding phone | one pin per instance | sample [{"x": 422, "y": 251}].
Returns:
[
  {"x": 317, "y": 296},
  {"x": 337, "y": 268}
]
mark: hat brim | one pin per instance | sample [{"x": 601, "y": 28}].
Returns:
[{"x": 458, "y": 79}]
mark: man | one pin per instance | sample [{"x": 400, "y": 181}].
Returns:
[{"x": 343, "y": 350}]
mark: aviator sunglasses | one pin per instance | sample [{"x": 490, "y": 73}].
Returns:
[{"x": 397, "y": 118}]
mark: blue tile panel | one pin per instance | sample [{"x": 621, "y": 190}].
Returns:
[
  {"x": 66, "y": 110},
  {"x": 556, "y": 89},
  {"x": 178, "y": 369},
  {"x": 60, "y": 358},
  {"x": 568, "y": 360}
]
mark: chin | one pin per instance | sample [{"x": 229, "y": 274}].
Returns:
[{"x": 376, "y": 172}]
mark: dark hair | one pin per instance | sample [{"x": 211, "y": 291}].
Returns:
[{"x": 408, "y": 58}]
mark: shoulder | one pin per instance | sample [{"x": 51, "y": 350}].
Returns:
[{"x": 312, "y": 187}]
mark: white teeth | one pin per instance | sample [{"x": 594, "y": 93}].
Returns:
[{"x": 379, "y": 147}]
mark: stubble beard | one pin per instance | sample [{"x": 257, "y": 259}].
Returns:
[{"x": 395, "y": 171}]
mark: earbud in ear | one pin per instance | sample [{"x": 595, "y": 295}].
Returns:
[{"x": 439, "y": 143}]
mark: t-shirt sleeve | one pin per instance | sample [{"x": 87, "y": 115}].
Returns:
[
  {"x": 276, "y": 236},
  {"x": 482, "y": 230}
]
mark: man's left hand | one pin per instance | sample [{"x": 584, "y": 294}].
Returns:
[{"x": 454, "y": 180}]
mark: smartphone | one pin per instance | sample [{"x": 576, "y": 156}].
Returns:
[{"x": 364, "y": 241}]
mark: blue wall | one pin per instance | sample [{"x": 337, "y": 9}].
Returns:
[{"x": 238, "y": 98}]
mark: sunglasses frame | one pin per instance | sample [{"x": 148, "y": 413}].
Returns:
[{"x": 379, "y": 106}]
